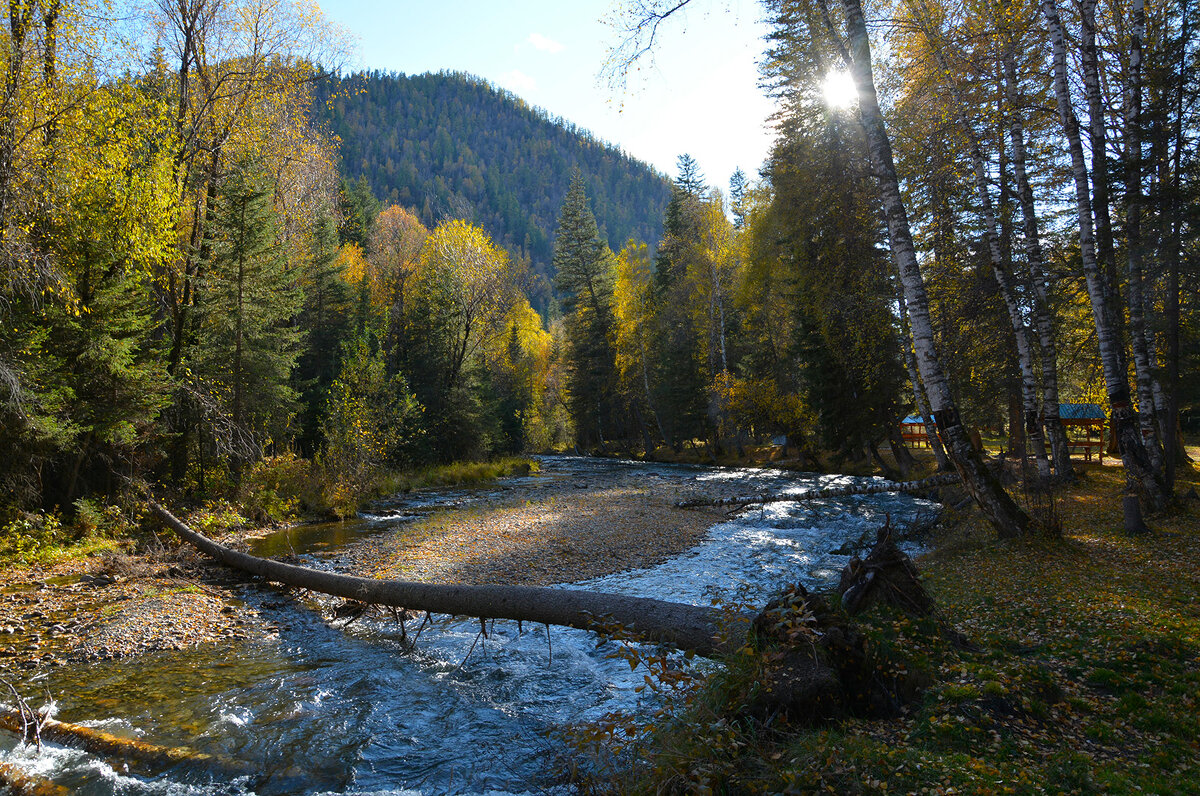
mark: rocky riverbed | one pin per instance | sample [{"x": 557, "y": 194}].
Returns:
[{"x": 531, "y": 531}]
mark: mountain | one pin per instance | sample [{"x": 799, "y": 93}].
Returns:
[{"x": 452, "y": 145}]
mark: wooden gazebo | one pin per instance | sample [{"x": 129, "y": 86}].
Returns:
[
  {"x": 1090, "y": 418},
  {"x": 912, "y": 430}
]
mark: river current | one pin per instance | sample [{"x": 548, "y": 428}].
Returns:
[{"x": 327, "y": 709}]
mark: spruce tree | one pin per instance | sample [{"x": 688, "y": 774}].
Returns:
[
  {"x": 325, "y": 321},
  {"x": 737, "y": 198},
  {"x": 248, "y": 343},
  {"x": 583, "y": 267},
  {"x": 690, "y": 178}
]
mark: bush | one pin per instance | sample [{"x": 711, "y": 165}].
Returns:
[
  {"x": 279, "y": 488},
  {"x": 31, "y": 535}
]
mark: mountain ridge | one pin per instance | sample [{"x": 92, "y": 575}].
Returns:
[{"x": 450, "y": 144}]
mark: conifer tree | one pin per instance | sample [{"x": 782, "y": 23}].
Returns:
[
  {"x": 737, "y": 198},
  {"x": 583, "y": 266},
  {"x": 325, "y": 318},
  {"x": 247, "y": 344},
  {"x": 680, "y": 380}
]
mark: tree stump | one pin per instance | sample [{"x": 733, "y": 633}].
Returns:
[{"x": 817, "y": 664}]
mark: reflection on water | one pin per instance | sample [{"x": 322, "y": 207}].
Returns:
[
  {"x": 323, "y": 709},
  {"x": 312, "y": 538}
]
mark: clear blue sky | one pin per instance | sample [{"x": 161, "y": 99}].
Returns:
[{"x": 700, "y": 95}]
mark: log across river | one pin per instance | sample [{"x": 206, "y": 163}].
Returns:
[
  {"x": 689, "y": 627},
  {"x": 361, "y": 711}
]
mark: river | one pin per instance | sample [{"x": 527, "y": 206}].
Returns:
[{"x": 324, "y": 709}]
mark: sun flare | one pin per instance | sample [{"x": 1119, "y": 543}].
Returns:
[{"x": 839, "y": 89}]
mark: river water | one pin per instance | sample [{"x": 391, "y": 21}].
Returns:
[{"x": 325, "y": 709}]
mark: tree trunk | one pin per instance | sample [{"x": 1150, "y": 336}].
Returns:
[
  {"x": 121, "y": 751},
  {"x": 1001, "y": 271},
  {"x": 1059, "y": 451},
  {"x": 1000, "y": 509},
  {"x": 1173, "y": 448},
  {"x": 1029, "y": 399},
  {"x": 700, "y": 629},
  {"x": 1097, "y": 138},
  {"x": 935, "y": 442},
  {"x": 904, "y": 459},
  {"x": 1138, "y": 470},
  {"x": 1142, "y": 363},
  {"x": 21, "y": 784}
]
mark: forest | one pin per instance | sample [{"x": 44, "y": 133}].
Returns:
[
  {"x": 263, "y": 289},
  {"x": 450, "y": 145},
  {"x": 198, "y": 280}
]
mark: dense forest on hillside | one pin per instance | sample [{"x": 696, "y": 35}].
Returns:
[{"x": 451, "y": 145}]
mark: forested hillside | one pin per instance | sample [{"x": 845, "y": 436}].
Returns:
[{"x": 449, "y": 145}]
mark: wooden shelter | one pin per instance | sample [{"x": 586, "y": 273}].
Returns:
[
  {"x": 1084, "y": 423},
  {"x": 1092, "y": 420},
  {"x": 912, "y": 430}
]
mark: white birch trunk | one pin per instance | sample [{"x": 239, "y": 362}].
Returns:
[
  {"x": 1057, "y": 436},
  {"x": 1142, "y": 363},
  {"x": 1021, "y": 334},
  {"x": 935, "y": 442},
  {"x": 1029, "y": 401},
  {"x": 1008, "y": 519},
  {"x": 1138, "y": 470},
  {"x": 1097, "y": 139}
]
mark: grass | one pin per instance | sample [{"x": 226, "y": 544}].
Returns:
[
  {"x": 1085, "y": 678},
  {"x": 55, "y": 552},
  {"x": 455, "y": 474}
]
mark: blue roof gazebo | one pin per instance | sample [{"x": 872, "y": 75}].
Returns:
[
  {"x": 1090, "y": 417},
  {"x": 1081, "y": 414},
  {"x": 1087, "y": 416}
]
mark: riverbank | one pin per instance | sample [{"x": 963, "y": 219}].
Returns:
[
  {"x": 536, "y": 531},
  {"x": 1081, "y": 675}
]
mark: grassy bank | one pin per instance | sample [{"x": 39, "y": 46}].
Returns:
[
  {"x": 1083, "y": 677},
  {"x": 276, "y": 491}
]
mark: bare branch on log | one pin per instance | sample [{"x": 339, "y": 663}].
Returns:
[{"x": 822, "y": 494}]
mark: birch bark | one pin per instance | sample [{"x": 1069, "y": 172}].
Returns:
[
  {"x": 1138, "y": 470},
  {"x": 1016, "y": 318},
  {"x": 910, "y": 362},
  {"x": 1142, "y": 363},
  {"x": 1008, "y": 518},
  {"x": 1097, "y": 140},
  {"x": 1037, "y": 273}
]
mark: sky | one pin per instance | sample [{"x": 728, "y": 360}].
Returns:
[{"x": 699, "y": 94}]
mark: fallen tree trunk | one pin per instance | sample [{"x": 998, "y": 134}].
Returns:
[
  {"x": 119, "y": 749},
  {"x": 21, "y": 784},
  {"x": 703, "y": 630},
  {"x": 814, "y": 663},
  {"x": 832, "y": 492}
]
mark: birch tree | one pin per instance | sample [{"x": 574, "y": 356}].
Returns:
[
  {"x": 1140, "y": 474},
  {"x": 1008, "y": 518},
  {"x": 1031, "y": 401}
]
